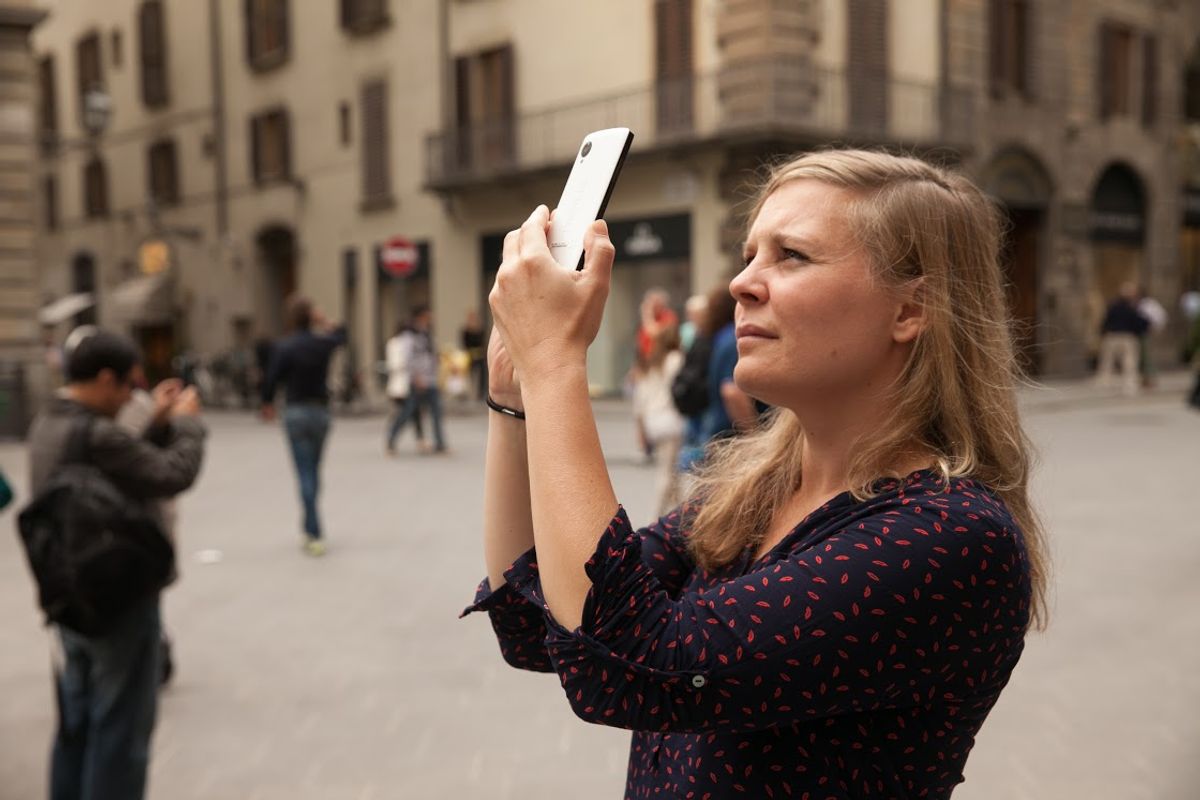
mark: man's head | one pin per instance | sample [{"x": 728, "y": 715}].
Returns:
[
  {"x": 101, "y": 371},
  {"x": 299, "y": 313},
  {"x": 422, "y": 318}
]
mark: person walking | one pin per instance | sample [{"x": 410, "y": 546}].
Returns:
[
  {"x": 423, "y": 369},
  {"x": 398, "y": 353},
  {"x": 300, "y": 363},
  {"x": 661, "y": 421},
  {"x": 1120, "y": 340},
  {"x": 106, "y": 684},
  {"x": 473, "y": 342},
  {"x": 840, "y": 603}
]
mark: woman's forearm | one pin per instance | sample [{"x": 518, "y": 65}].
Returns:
[
  {"x": 507, "y": 523},
  {"x": 572, "y": 499}
]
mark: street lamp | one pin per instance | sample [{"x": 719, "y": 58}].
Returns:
[{"x": 97, "y": 110}]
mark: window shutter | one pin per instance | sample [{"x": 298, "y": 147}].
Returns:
[
  {"x": 48, "y": 111},
  {"x": 1149, "y": 80},
  {"x": 285, "y": 143},
  {"x": 250, "y": 24},
  {"x": 152, "y": 38},
  {"x": 256, "y": 149},
  {"x": 462, "y": 113},
  {"x": 377, "y": 178},
  {"x": 1104, "y": 73},
  {"x": 347, "y": 13},
  {"x": 997, "y": 35},
  {"x": 50, "y": 199},
  {"x": 282, "y": 26},
  {"x": 508, "y": 102},
  {"x": 868, "y": 71},
  {"x": 1026, "y": 48}
]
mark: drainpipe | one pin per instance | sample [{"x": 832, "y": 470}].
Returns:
[{"x": 218, "y": 122}]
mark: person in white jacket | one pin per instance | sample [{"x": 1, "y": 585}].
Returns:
[
  {"x": 398, "y": 353},
  {"x": 654, "y": 407}
]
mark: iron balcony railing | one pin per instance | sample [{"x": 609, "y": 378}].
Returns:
[{"x": 780, "y": 97}]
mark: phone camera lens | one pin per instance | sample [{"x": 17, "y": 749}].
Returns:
[{"x": 587, "y": 148}]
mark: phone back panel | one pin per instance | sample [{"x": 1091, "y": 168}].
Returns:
[{"x": 590, "y": 184}]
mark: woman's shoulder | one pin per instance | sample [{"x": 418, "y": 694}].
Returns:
[{"x": 928, "y": 503}]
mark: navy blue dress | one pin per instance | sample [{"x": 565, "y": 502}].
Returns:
[{"x": 857, "y": 659}]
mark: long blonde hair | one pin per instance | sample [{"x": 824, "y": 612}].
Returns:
[{"x": 956, "y": 397}]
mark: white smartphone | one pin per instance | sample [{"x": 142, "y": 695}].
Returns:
[{"x": 584, "y": 198}]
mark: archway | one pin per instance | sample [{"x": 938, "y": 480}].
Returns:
[
  {"x": 1118, "y": 232},
  {"x": 1022, "y": 185},
  {"x": 275, "y": 248}
]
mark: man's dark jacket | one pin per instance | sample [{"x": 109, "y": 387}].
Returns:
[{"x": 159, "y": 465}]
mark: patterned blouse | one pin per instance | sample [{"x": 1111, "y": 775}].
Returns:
[{"x": 857, "y": 659}]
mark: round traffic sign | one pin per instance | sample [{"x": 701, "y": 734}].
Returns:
[{"x": 400, "y": 257}]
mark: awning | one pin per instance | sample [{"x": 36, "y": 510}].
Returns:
[
  {"x": 65, "y": 307},
  {"x": 145, "y": 300}
]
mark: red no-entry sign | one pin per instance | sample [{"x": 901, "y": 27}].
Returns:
[{"x": 399, "y": 257}]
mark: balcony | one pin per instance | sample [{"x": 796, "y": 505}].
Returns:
[{"x": 786, "y": 100}]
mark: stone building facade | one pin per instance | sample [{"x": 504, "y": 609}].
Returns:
[
  {"x": 19, "y": 293},
  {"x": 257, "y": 148}
]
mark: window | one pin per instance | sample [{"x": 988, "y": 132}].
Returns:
[
  {"x": 673, "y": 65},
  {"x": 376, "y": 161},
  {"x": 364, "y": 16},
  {"x": 1009, "y": 41},
  {"x": 1116, "y": 70},
  {"x": 485, "y": 103},
  {"x": 266, "y": 33},
  {"x": 344, "y": 133},
  {"x": 90, "y": 71},
  {"x": 163, "y": 170},
  {"x": 116, "y": 41},
  {"x": 1149, "y": 80},
  {"x": 95, "y": 190},
  {"x": 152, "y": 43},
  {"x": 270, "y": 147},
  {"x": 50, "y": 202},
  {"x": 48, "y": 108},
  {"x": 867, "y": 73},
  {"x": 1191, "y": 86}
]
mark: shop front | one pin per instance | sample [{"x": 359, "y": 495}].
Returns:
[{"x": 1117, "y": 228}]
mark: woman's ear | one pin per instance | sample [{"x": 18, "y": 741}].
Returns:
[{"x": 911, "y": 318}]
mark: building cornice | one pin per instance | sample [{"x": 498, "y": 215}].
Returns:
[{"x": 17, "y": 17}]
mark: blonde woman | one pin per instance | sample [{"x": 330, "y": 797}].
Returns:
[{"x": 838, "y": 607}]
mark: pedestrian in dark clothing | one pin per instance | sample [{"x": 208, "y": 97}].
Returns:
[
  {"x": 300, "y": 363},
  {"x": 474, "y": 343},
  {"x": 1120, "y": 340},
  {"x": 107, "y": 684}
]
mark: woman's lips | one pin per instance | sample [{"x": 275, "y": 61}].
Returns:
[{"x": 752, "y": 332}]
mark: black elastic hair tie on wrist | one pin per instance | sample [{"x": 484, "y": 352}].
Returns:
[{"x": 511, "y": 412}]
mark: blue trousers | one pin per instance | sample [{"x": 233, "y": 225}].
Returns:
[
  {"x": 107, "y": 691},
  {"x": 307, "y": 427},
  {"x": 431, "y": 399}
]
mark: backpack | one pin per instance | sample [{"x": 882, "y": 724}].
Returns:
[
  {"x": 93, "y": 551},
  {"x": 689, "y": 390}
]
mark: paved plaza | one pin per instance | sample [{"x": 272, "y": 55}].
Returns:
[{"x": 351, "y": 678}]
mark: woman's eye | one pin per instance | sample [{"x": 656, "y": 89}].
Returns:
[{"x": 793, "y": 255}]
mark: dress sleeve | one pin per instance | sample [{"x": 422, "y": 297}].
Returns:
[
  {"x": 517, "y": 611},
  {"x": 887, "y": 613}
]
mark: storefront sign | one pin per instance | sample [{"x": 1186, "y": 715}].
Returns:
[
  {"x": 1117, "y": 226},
  {"x": 652, "y": 238}
]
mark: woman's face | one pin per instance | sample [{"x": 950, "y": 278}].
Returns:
[{"x": 813, "y": 325}]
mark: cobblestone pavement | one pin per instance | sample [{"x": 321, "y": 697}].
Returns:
[{"x": 350, "y": 677}]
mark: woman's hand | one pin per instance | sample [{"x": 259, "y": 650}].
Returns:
[
  {"x": 504, "y": 385},
  {"x": 547, "y": 315}
]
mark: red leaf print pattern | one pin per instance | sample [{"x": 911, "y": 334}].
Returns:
[{"x": 730, "y": 690}]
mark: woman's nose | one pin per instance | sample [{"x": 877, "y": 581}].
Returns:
[{"x": 746, "y": 287}]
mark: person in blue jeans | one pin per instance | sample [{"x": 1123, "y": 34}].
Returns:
[
  {"x": 422, "y": 360},
  {"x": 300, "y": 363},
  {"x": 106, "y": 679}
]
